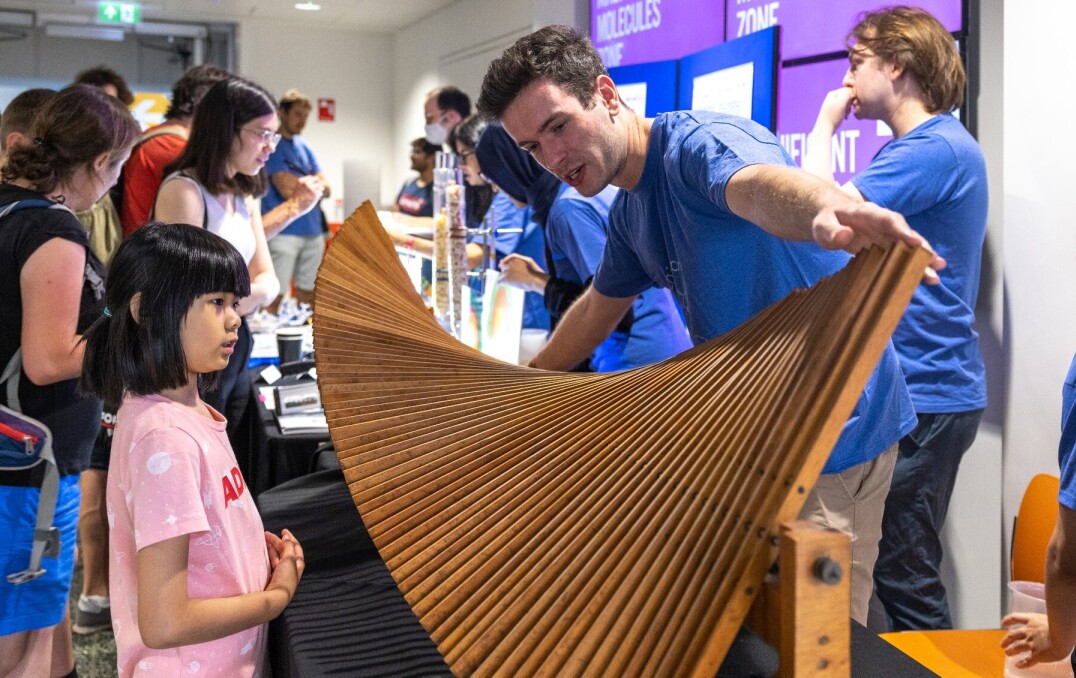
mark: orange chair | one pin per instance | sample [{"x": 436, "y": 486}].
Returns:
[
  {"x": 978, "y": 653},
  {"x": 1032, "y": 528}
]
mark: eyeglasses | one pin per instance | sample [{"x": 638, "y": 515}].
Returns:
[
  {"x": 265, "y": 136},
  {"x": 466, "y": 154}
]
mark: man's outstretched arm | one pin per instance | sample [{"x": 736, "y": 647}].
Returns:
[{"x": 795, "y": 205}]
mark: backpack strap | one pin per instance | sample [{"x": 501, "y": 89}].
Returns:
[
  {"x": 46, "y": 536},
  {"x": 11, "y": 378},
  {"x": 30, "y": 203}
]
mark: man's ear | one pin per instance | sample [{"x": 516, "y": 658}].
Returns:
[
  {"x": 607, "y": 94},
  {"x": 893, "y": 69},
  {"x": 136, "y": 304}
]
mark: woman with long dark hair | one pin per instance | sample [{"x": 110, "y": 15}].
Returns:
[{"x": 214, "y": 185}]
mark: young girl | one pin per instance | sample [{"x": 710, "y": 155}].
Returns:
[{"x": 192, "y": 580}]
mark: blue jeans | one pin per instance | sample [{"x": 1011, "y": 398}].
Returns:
[{"x": 907, "y": 576}]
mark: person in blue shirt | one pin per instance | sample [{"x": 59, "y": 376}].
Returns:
[
  {"x": 416, "y": 195},
  {"x": 297, "y": 249},
  {"x": 712, "y": 210},
  {"x": 905, "y": 71},
  {"x": 575, "y": 230},
  {"x": 1051, "y": 637}
]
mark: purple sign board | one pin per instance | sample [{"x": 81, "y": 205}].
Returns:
[
  {"x": 813, "y": 27},
  {"x": 627, "y": 32},
  {"x": 800, "y": 95}
]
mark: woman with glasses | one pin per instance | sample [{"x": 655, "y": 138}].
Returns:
[{"x": 214, "y": 184}]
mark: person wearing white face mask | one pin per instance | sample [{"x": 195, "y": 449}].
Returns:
[{"x": 444, "y": 108}]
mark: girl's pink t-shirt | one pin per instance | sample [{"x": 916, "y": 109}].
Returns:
[{"x": 173, "y": 473}]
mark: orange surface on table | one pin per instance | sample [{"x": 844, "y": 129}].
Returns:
[{"x": 954, "y": 654}]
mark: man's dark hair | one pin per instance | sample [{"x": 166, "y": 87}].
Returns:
[
  {"x": 451, "y": 98},
  {"x": 20, "y": 112},
  {"x": 103, "y": 75},
  {"x": 559, "y": 53},
  {"x": 218, "y": 119},
  {"x": 191, "y": 87},
  {"x": 426, "y": 147},
  {"x": 168, "y": 266}
]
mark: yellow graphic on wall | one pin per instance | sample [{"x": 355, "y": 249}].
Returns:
[{"x": 149, "y": 108}]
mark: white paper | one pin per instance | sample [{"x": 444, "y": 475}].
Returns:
[
  {"x": 271, "y": 374},
  {"x": 725, "y": 91}
]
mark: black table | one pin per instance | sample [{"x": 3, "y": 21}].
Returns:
[
  {"x": 348, "y": 617},
  {"x": 272, "y": 458}
]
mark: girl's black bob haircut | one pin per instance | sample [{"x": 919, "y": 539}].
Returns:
[{"x": 168, "y": 266}]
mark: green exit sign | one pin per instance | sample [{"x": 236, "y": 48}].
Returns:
[{"x": 118, "y": 13}]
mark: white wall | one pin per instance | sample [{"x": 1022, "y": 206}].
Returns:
[
  {"x": 355, "y": 150},
  {"x": 1026, "y": 319},
  {"x": 1038, "y": 208}
]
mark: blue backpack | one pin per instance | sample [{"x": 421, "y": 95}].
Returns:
[{"x": 26, "y": 443}]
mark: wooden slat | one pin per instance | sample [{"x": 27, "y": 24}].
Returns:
[{"x": 543, "y": 523}]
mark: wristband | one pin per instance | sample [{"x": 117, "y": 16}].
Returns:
[{"x": 409, "y": 242}]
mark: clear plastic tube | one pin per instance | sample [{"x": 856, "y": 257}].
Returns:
[
  {"x": 457, "y": 262},
  {"x": 444, "y": 172}
]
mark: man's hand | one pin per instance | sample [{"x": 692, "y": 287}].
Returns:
[
  {"x": 308, "y": 191},
  {"x": 853, "y": 226},
  {"x": 835, "y": 108},
  {"x": 523, "y": 272}
]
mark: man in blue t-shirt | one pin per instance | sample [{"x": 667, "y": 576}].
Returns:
[
  {"x": 1050, "y": 637},
  {"x": 297, "y": 249},
  {"x": 711, "y": 210},
  {"x": 416, "y": 196},
  {"x": 905, "y": 71}
]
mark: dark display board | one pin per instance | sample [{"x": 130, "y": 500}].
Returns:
[
  {"x": 647, "y": 87},
  {"x": 737, "y": 77}
]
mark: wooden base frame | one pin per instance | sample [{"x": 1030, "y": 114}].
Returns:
[{"x": 803, "y": 609}]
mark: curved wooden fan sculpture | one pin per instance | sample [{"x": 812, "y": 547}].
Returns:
[{"x": 560, "y": 523}]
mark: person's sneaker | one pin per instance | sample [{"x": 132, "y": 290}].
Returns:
[{"x": 92, "y": 615}]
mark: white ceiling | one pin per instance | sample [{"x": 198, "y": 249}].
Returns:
[{"x": 377, "y": 16}]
